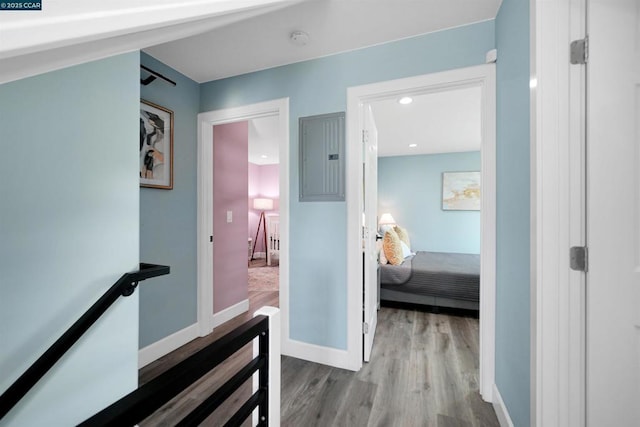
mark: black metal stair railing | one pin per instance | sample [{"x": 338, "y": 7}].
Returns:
[
  {"x": 125, "y": 286},
  {"x": 139, "y": 404}
]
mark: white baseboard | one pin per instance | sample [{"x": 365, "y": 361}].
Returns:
[
  {"x": 501, "y": 409},
  {"x": 166, "y": 345},
  {"x": 316, "y": 353},
  {"x": 230, "y": 312}
]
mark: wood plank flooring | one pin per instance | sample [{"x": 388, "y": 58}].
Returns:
[{"x": 423, "y": 372}]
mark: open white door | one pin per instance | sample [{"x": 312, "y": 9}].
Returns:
[
  {"x": 370, "y": 228},
  {"x": 613, "y": 213}
]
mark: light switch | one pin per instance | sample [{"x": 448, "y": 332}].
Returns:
[{"x": 229, "y": 216}]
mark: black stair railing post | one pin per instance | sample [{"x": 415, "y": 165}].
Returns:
[{"x": 263, "y": 379}]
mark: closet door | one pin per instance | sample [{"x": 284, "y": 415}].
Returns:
[{"x": 613, "y": 213}]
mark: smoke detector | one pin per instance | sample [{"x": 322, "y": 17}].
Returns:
[{"x": 299, "y": 38}]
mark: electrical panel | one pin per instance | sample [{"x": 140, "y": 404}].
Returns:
[{"x": 322, "y": 158}]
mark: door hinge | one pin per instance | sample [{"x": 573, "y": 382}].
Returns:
[
  {"x": 579, "y": 258},
  {"x": 580, "y": 51},
  {"x": 365, "y": 328},
  {"x": 365, "y": 136},
  {"x": 211, "y": 239}
]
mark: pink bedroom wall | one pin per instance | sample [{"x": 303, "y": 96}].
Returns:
[
  {"x": 230, "y": 183},
  {"x": 264, "y": 182}
]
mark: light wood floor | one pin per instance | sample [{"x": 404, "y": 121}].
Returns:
[{"x": 423, "y": 372}]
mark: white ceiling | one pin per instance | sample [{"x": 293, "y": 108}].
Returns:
[
  {"x": 333, "y": 26},
  {"x": 213, "y": 39},
  {"x": 72, "y": 32},
  {"x": 440, "y": 122},
  {"x": 264, "y": 141}
]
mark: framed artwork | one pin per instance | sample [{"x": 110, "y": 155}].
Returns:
[
  {"x": 156, "y": 146},
  {"x": 461, "y": 191}
]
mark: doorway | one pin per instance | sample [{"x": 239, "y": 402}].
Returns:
[
  {"x": 359, "y": 100},
  {"x": 264, "y": 205},
  {"x": 279, "y": 110}
]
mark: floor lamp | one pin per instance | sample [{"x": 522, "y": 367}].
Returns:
[{"x": 261, "y": 205}]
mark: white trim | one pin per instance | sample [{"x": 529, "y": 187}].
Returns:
[
  {"x": 166, "y": 345},
  {"x": 317, "y": 354},
  {"x": 206, "y": 121},
  {"x": 230, "y": 312},
  {"x": 557, "y": 216},
  {"x": 479, "y": 76},
  {"x": 501, "y": 409}
]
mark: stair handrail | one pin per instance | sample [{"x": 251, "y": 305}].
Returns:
[{"x": 125, "y": 286}]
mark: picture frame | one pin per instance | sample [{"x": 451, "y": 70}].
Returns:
[
  {"x": 156, "y": 146},
  {"x": 461, "y": 191}
]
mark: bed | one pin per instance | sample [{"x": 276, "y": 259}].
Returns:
[{"x": 433, "y": 278}]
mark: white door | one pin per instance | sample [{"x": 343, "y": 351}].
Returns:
[
  {"x": 370, "y": 227},
  {"x": 613, "y": 215}
]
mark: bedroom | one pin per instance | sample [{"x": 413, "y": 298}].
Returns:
[
  {"x": 421, "y": 142},
  {"x": 429, "y": 145}
]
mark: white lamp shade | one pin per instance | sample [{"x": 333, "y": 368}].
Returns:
[
  {"x": 262, "y": 204},
  {"x": 387, "y": 219}
]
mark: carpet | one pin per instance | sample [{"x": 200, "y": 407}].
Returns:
[{"x": 264, "y": 278}]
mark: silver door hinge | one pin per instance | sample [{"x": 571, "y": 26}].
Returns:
[
  {"x": 365, "y": 328},
  {"x": 580, "y": 51},
  {"x": 579, "y": 258},
  {"x": 365, "y": 136}
]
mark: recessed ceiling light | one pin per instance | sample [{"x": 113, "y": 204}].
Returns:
[
  {"x": 413, "y": 145},
  {"x": 405, "y": 100},
  {"x": 264, "y": 156}
]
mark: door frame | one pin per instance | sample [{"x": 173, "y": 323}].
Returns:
[
  {"x": 558, "y": 212},
  {"x": 206, "y": 122},
  {"x": 357, "y": 97}
]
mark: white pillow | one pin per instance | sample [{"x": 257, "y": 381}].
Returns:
[{"x": 405, "y": 249}]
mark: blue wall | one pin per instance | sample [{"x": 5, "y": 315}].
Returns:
[
  {"x": 168, "y": 217},
  {"x": 410, "y": 188},
  {"x": 513, "y": 239},
  {"x": 69, "y": 227},
  {"x": 318, "y": 275}
]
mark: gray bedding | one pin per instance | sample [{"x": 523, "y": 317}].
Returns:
[{"x": 437, "y": 274}]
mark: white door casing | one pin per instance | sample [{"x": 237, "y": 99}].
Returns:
[
  {"x": 613, "y": 213},
  {"x": 482, "y": 76},
  {"x": 206, "y": 121},
  {"x": 370, "y": 227}
]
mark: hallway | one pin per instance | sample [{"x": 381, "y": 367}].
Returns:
[{"x": 423, "y": 372}]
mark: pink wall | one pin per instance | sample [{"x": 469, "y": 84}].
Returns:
[
  {"x": 230, "y": 183},
  {"x": 264, "y": 182}
]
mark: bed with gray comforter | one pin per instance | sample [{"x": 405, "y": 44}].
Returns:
[{"x": 433, "y": 278}]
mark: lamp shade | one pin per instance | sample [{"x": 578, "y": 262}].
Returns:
[
  {"x": 387, "y": 219},
  {"x": 262, "y": 204}
]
